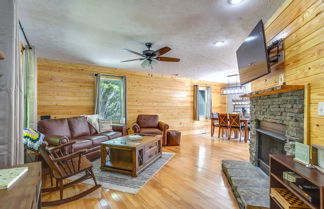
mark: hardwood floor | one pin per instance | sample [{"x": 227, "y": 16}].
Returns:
[{"x": 191, "y": 179}]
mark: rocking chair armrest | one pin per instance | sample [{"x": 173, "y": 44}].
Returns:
[
  {"x": 70, "y": 156},
  {"x": 62, "y": 145}
]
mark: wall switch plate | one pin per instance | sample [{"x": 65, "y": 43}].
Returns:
[{"x": 321, "y": 108}]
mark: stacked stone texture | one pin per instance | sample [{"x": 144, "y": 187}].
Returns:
[{"x": 284, "y": 108}]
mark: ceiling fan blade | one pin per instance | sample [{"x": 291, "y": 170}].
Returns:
[
  {"x": 162, "y": 51},
  {"x": 133, "y": 60},
  {"x": 131, "y": 51},
  {"x": 168, "y": 59}
]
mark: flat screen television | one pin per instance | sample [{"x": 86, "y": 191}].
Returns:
[{"x": 252, "y": 56}]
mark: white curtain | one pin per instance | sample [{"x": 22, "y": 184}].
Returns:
[
  {"x": 11, "y": 88},
  {"x": 29, "y": 65}
]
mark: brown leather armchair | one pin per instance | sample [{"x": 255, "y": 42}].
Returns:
[{"x": 150, "y": 124}]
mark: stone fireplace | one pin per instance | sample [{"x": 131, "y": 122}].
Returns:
[{"x": 277, "y": 121}]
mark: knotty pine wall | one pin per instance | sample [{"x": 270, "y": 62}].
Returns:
[
  {"x": 301, "y": 22},
  {"x": 68, "y": 89}
]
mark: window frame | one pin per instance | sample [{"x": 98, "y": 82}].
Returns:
[
  {"x": 205, "y": 116},
  {"x": 99, "y": 78},
  {"x": 208, "y": 101}
]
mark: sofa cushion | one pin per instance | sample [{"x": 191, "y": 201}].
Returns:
[
  {"x": 92, "y": 155},
  {"x": 148, "y": 121},
  {"x": 79, "y": 127},
  {"x": 58, "y": 127},
  {"x": 112, "y": 134},
  {"x": 81, "y": 144},
  {"x": 153, "y": 131},
  {"x": 96, "y": 139},
  {"x": 93, "y": 131}
]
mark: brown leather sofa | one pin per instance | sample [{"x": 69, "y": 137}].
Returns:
[
  {"x": 60, "y": 131},
  {"x": 150, "y": 124}
]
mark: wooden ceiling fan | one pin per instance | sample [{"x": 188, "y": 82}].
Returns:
[{"x": 150, "y": 56}]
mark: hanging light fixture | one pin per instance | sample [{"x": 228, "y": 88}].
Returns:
[{"x": 232, "y": 88}]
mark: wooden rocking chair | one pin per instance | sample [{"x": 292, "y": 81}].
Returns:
[{"x": 63, "y": 165}]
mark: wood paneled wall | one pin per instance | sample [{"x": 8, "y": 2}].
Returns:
[
  {"x": 67, "y": 89},
  {"x": 301, "y": 23}
]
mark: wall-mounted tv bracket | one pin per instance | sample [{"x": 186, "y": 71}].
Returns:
[{"x": 276, "y": 52}]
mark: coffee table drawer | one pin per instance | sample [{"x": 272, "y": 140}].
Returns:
[
  {"x": 150, "y": 154},
  {"x": 151, "y": 145}
]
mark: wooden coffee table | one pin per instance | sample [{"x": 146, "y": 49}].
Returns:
[{"x": 130, "y": 156}]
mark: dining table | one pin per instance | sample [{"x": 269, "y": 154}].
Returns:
[{"x": 245, "y": 121}]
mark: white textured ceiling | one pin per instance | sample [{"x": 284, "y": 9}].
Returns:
[{"x": 96, "y": 31}]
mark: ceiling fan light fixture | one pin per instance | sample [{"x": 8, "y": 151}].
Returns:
[
  {"x": 233, "y": 2},
  {"x": 151, "y": 57}
]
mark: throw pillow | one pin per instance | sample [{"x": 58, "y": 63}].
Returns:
[
  {"x": 93, "y": 120},
  {"x": 105, "y": 125}
]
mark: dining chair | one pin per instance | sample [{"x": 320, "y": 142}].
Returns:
[
  {"x": 214, "y": 122},
  {"x": 235, "y": 124},
  {"x": 223, "y": 123}
]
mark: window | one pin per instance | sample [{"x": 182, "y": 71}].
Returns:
[
  {"x": 111, "y": 98},
  {"x": 202, "y": 102}
]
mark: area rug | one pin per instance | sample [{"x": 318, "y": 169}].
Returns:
[{"x": 126, "y": 183}]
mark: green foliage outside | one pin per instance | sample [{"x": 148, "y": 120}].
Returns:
[{"x": 111, "y": 99}]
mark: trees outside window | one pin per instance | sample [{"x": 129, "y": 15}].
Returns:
[{"x": 111, "y": 98}]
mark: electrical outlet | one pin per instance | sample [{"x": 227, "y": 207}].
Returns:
[{"x": 321, "y": 108}]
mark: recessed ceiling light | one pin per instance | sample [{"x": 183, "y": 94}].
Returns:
[
  {"x": 235, "y": 1},
  {"x": 219, "y": 43}
]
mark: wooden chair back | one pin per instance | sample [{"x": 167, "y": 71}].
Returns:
[
  {"x": 223, "y": 119},
  {"x": 60, "y": 162},
  {"x": 213, "y": 115},
  {"x": 214, "y": 119},
  {"x": 234, "y": 120}
]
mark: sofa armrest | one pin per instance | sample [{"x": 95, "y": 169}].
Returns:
[
  {"x": 163, "y": 126},
  {"x": 55, "y": 140},
  {"x": 120, "y": 128},
  {"x": 136, "y": 128}
]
